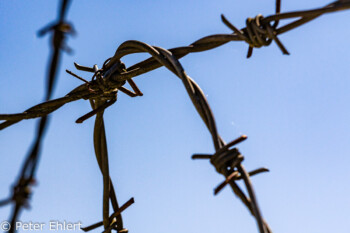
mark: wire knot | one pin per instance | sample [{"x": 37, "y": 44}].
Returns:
[
  {"x": 112, "y": 220},
  {"x": 225, "y": 161},
  {"x": 22, "y": 192},
  {"x": 257, "y": 33},
  {"x": 60, "y": 30}
]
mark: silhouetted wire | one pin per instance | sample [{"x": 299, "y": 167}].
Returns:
[
  {"x": 102, "y": 90},
  {"x": 22, "y": 189}
]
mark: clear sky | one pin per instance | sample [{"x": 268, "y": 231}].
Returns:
[{"x": 294, "y": 109}]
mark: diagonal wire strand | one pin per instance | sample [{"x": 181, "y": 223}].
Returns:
[{"x": 29, "y": 167}]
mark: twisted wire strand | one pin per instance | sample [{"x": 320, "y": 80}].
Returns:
[
  {"x": 203, "y": 44},
  {"x": 100, "y": 145},
  {"x": 198, "y": 99},
  {"x": 213, "y": 41}
]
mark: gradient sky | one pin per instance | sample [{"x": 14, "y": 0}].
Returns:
[{"x": 294, "y": 109}]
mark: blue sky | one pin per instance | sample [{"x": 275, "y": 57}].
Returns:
[{"x": 294, "y": 109}]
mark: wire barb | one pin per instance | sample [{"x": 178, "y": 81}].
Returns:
[
  {"x": 257, "y": 33},
  {"x": 76, "y": 76},
  {"x": 114, "y": 215}
]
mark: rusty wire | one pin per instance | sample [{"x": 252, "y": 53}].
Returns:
[
  {"x": 21, "y": 191},
  {"x": 102, "y": 90}
]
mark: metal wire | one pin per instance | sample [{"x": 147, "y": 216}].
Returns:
[
  {"x": 22, "y": 189},
  {"x": 102, "y": 91}
]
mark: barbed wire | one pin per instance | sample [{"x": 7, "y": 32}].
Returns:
[
  {"x": 102, "y": 91},
  {"x": 21, "y": 191}
]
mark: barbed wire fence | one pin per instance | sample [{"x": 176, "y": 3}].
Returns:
[{"x": 102, "y": 90}]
